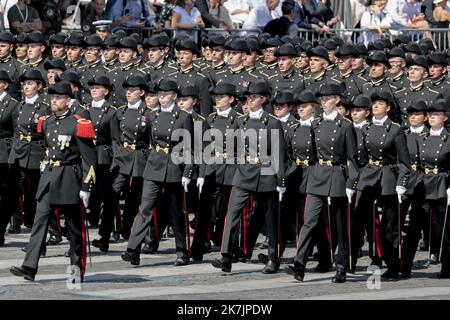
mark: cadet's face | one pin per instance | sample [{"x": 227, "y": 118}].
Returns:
[
  {"x": 345, "y": 63},
  {"x": 186, "y": 103},
  {"x": 99, "y": 92},
  {"x": 109, "y": 53},
  {"x": 5, "y": 49},
  {"x": 59, "y": 102},
  {"x": 51, "y": 73},
  {"x": 417, "y": 119},
  {"x": 206, "y": 52},
  {"x": 126, "y": 55},
  {"x": 217, "y": 54},
  {"x": 223, "y": 101},
  {"x": 102, "y": 33},
  {"x": 269, "y": 56},
  {"x": 3, "y": 86},
  {"x": 306, "y": 110},
  {"x": 303, "y": 61},
  {"x": 332, "y": 55},
  {"x": 58, "y": 50},
  {"x": 317, "y": 64},
  {"x": 357, "y": 63},
  {"x": 166, "y": 98},
  {"x": 74, "y": 53},
  {"x": 416, "y": 73},
  {"x": 397, "y": 65},
  {"x": 285, "y": 63},
  {"x": 329, "y": 103},
  {"x": 31, "y": 88},
  {"x": 255, "y": 101},
  {"x": 380, "y": 108},
  {"x": 92, "y": 54},
  {"x": 437, "y": 119},
  {"x": 35, "y": 51},
  {"x": 235, "y": 58},
  {"x": 250, "y": 59},
  {"x": 155, "y": 55},
  {"x": 342, "y": 111},
  {"x": 21, "y": 50},
  {"x": 377, "y": 70},
  {"x": 359, "y": 114},
  {"x": 151, "y": 100},
  {"x": 186, "y": 58},
  {"x": 281, "y": 110},
  {"x": 134, "y": 94},
  {"x": 436, "y": 71}
]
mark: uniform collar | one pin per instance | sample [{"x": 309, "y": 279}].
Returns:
[
  {"x": 237, "y": 70},
  {"x": 35, "y": 64},
  {"x": 187, "y": 70},
  {"x": 134, "y": 106},
  {"x": 257, "y": 114},
  {"x": 307, "y": 122},
  {"x": 288, "y": 75},
  {"x": 439, "y": 81},
  {"x": 7, "y": 59},
  {"x": 98, "y": 104},
  {"x": 378, "y": 83},
  {"x": 31, "y": 100},
  {"x": 3, "y": 95},
  {"x": 218, "y": 66},
  {"x": 159, "y": 65},
  {"x": 224, "y": 113},
  {"x": 168, "y": 109},
  {"x": 437, "y": 132},
  {"x": 320, "y": 76},
  {"x": 398, "y": 76},
  {"x": 330, "y": 117},
  {"x": 379, "y": 122},
  {"x": 360, "y": 125},
  {"x": 128, "y": 66},
  {"x": 111, "y": 62},
  {"x": 93, "y": 64},
  {"x": 417, "y": 129},
  {"x": 346, "y": 75},
  {"x": 64, "y": 115},
  {"x": 272, "y": 66},
  {"x": 417, "y": 88},
  {"x": 285, "y": 118}
]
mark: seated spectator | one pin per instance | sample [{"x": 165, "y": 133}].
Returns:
[
  {"x": 135, "y": 14},
  {"x": 261, "y": 15},
  {"x": 186, "y": 16},
  {"x": 416, "y": 18},
  {"x": 284, "y": 25},
  {"x": 238, "y": 10},
  {"x": 209, "y": 21},
  {"x": 24, "y": 18},
  {"x": 441, "y": 19},
  {"x": 221, "y": 13},
  {"x": 165, "y": 19},
  {"x": 95, "y": 11},
  {"x": 375, "y": 20},
  {"x": 320, "y": 9},
  {"x": 303, "y": 19}
]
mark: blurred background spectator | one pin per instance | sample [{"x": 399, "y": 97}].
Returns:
[
  {"x": 238, "y": 10},
  {"x": 220, "y": 12},
  {"x": 24, "y": 18},
  {"x": 186, "y": 16},
  {"x": 375, "y": 20},
  {"x": 130, "y": 13},
  {"x": 94, "y": 11},
  {"x": 262, "y": 15},
  {"x": 165, "y": 18},
  {"x": 284, "y": 25}
]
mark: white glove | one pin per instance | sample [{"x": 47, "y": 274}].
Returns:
[
  {"x": 185, "y": 182},
  {"x": 200, "y": 183},
  {"x": 42, "y": 166},
  {"x": 84, "y": 195},
  {"x": 400, "y": 192},
  {"x": 281, "y": 190},
  {"x": 448, "y": 196},
  {"x": 349, "y": 192}
]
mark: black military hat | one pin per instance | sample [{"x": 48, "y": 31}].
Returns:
[
  {"x": 437, "y": 58},
  {"x": 6, "y": 36},
  {"x": 402, "y": 39},
  {"x": 286, "y": 50},
  {"x": 338, "y": 40},
  {"x": 111, "y": 41},
  {"x": 93, "y": 41},
  {"x": 377, "y": 45},
  {"x": 62, "y": 87},
  {"x": 120, "y": 33},
  {"x": 378, "y": 56},
  {"x": 387, "y": 43},
  {"x": 4, "y": 76},
  {"x": 71, "y": 76},
  {"x": 101, "y": 81},
  {"x": 136, "y": 37},
  {"x": 305, "y": 46},
  {"x": 396, "y": 52},
  {"x": 237, "y": 44},
  {"x": 151, "y": 87},
  {"x": 55, "y": 63},
  {"x": 187, "y": 44},
  {"x": 361, "y": 101},
  {"x": 189, "y": 91},
  {"x": 413, "y": 47},
  {"x": 331, "y": 89},
  {"x": 205, "y": 41},
  {"x": 257, "y": 87},
  {"x": 417, "y": 61},
  {"x": 330, "y": 44},
  {"x": 224, "y": 88},
  {"x": 253, "y": 45},
  {"x": 127, "y": 42},
  {"x": 283, "y": 97},
  {"x": 427, "y": 44},
  {"x": 417, "y": 106},
  {"x": 438, "y": 105},
  {"x": 75, "y": 39},
  {"x": 271, "y": 42},
  {"x": 347, "y": 50},
  {"x": 382, "y": 95},
  {"x": 135, "y": 81},
  {"x": 35, "y": 37},
  {"x": 320, "y": 52},
  {"x": 21, "y": 37},
  {"x": 217, "y": 40},
  {"x": 157, "y": 40},
  {"x": 306, "y": 96},
  {"x": 58, "y": 38},
  {"x": 287, "y": 39},
  {"x": 362, "y": 49},
  {"x": 32, "y": 74},
  {"x": 167, "y": 85}
]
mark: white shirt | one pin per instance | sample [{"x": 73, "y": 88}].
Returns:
[
  {"x": 31, "y": 100},
  {"x": 437, "y": 132},
  {"x": 307, "y": 122},
  {"x": 3, "y": 95},
  {"x": 224, "y": 113},
  {"x": 98, "y": 104},
  {"x": 379, "y": 122},
  {"x": 360, "y": 125},
  {"x": 259, "y": 17},
  {"x": 168, "y": 109},
  {"x": 135, "y": 105},
  {"x": 331, "y": 116},
  {"x": 417, "y": 129},
  {"x": 256, "y": 114},
  {"x": 396, "y": 11},
  {"x": 285, "y": 118}
]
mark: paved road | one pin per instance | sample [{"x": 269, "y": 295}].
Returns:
[{"x": 156, "y": 278}]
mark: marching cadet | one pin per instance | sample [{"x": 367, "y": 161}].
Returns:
[
  {"x": 162, "y": 173},
  {"x": 27, "y": 151},
  {"x": 397, "y": 75},
  {"x": 58, "y": 46},
  {"x": 345, "y": 56},
  {"x": 378, "y": 66},
  {"x": 151, "y": 96},
  {"x": 384, "y": 178},
  {"x": 10, "y": 64},
  {"x": 250, "y": 178},
  {"x": 35, "y": 53},
  {"x": 302, "y": 63},
  {"x": 76, "y": 106},
  {"x": 358, "y": 65},
  {"x": 131, "y": 141},
  {"x": 331, "y": 182},
  {"x": 412, "y": 50},
  {"x": 158, "y": 65},
  {"x": 54, "y": 67},
  {"x": 109, "y": 56},
  {"x": 437, "y": 67},
  {"x": 286, "y": 77},
  {"x": 318, "y": 62},
  {"x": 251, "y": 60},
  {"x": 331, "y": 47},
  {"x": 21, "y": 49},
  {"x": 417, "y": 89},
  {"x": 189, "y": 74},
  {"x": 75, "y": 51},
  {"x": 217, "y": 46},
  {"x": 434, "y": 153},
  {"x": 8, "y": 106},
  {"x": 269, "y": 64},
  {"x": 68, "y": 175},
  {"x": 101, "y": 113}
]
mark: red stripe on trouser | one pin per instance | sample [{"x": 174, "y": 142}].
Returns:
[
  {"x": 155, "y": 217},
  {"x": 244, "y": 213},
  {"x": 378, "y": 237},
  {"x": 84, "y": 241},
  {"x": 58, "y": 220},
  {"x": 400, "y": 235},
  {"x": 349, "y": 235},
  {"x": 225, "y": 222},
  {"x": 118, "y": 219},
  {"x": 328, "y": 231},
  {"x": 186, "y": 215},
  {"x": 21, "y": 213}
]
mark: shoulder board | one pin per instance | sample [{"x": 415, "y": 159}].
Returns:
[
  {"x": 270, "y": 115},
  {"x": 345, "y": 118},
  {"x": 295, "y": 125},
  {"x": 171, "y": 66},
  {"x": 84, "y": 106},
  {"x": 112, "y": 107},
  {"x": 173, "y": 73},
  {"x": 43, "y": 102},
  {"x": 201, "y": 74},
  {"x": 400, "y": 90},
  {"x": 253, "y": 75},
  {"x": 85, "y": 129},
  {"x": 362, "y": 78},
  {"x": 407, "y": 131},
  {"x": 121, "y": 107},
  {"x": 221, "y": 71},
  {"x": 240, "y": 114},
  {"x": 334, "y": 79},
  {"x": 434, "y": 91},
  {"x": 393, "y": 87},
  {"x": 14, "y": 99},
  {"x": 270, "y": 77},
  {"x": 367, "y": 84},
  {"x": 243, "y": 115},
  {"x": 265, "y": 75},
  {"x": 153, "y": 110},
  {"x": 41, "y": 123},
  {"x": 423, "y": 134},
  {"x": 395, "y": 124},
  {"x": 201, "y": 117}
]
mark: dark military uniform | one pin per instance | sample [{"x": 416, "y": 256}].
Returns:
[
  {"x": 117, "y": 76},
  {"x": 381, "y": 85},
  {"x": 87, "y": 72},
  {"x": 212, "y": 71},
  {"x": 160, "y": 71},
  {"x": 108, "y": 66},
  {"x": 399, "y": 81},
  {"x": 315, "y": 82},
  {"x": 266, "y": 71},
  {"x": 361, "y": 78},
  {"x": 14, "y": 69},
  {"x": 440, "y": 85},
  {"x": 79, "y": 109},
  {"x": 39, "y": 65},
  {"x": 351, "y": 85},
  {"x": 293, "y": 82}
]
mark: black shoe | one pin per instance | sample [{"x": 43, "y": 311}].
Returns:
[
  {"x": 24, "y": 272},
  {"x": 271, "y": 267},
  {"x": 2, "y": 241},
  {"x": 207, "y": 247},
  {"x": 264, "y": 244},
  {"x": 14, "y": 230},
  {"x": 263, "y": 258},
  {"x": 170, "y": 233},
  {"x": 181, "y": 261},
  {"x": 224, "y": 264},
  {"x": 322, "y": 268},
  {"x": 390, "y": 274},
  {"x": 377, "y": 262},
  {"x": 64, "y": 232},
  {"x": 67, "y": 254},
  {"x": 405, "y": 274},
  {"x": 340, "y": 277},
  {"x": 132, "y": 257},
  {"x": 434, "y": 259},
  {"x": 54, "y": 239},
  {"x": 148, "y": 249},
  {"x": 102, "y": 245},
  {"x": 443, "y": 275},
  {"x": 296, "y": 271},
  {"x": 115, "y": 237}
]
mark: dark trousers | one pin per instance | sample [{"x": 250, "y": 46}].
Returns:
[
  {"x": 389, "y": 226},
  {"x": 291, "y": 207},
  {"x": 267, "y": 212},
  {"x": 150, "y": 195},
  {"x": 25, "y": 185},
  {"x": 6, "y": 196},
  {"x": 338, "y": 220},
  {"x": 74, "y": 218}
]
